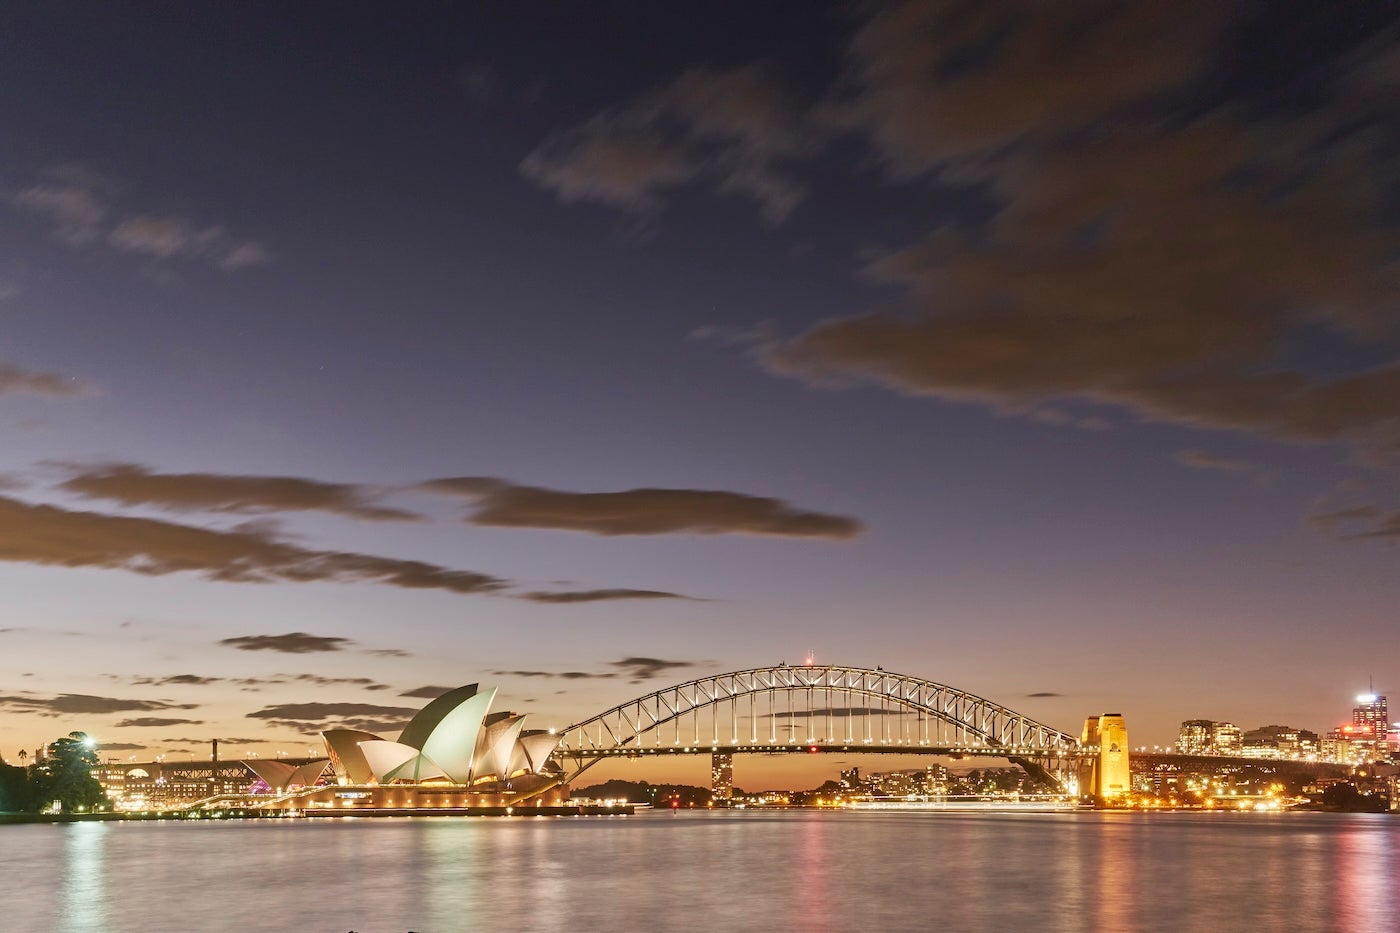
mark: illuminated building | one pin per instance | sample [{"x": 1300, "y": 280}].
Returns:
[
  {"x": 1207, "y": 737},
  {"x": 1107, "y": 775},
  {"x": 1366, "y": 738},
  {"x": 1197, "y": 737},
  {"x": 454, "y": 753},
  {"x": 722, "y": 776}
]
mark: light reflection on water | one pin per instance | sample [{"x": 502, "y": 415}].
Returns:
[{"x": 807, "y": 871}]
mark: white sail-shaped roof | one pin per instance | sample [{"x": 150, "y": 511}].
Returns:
[
  {"x": 275, "y": 774},
  {"x": 385, "y": 757},
  {"x": 452, "y": 743},
  {"x": 427, "y": 719},
  {"x": 538, "y": 746},
  {"x": 343, "y": 746},
  {"x": 500, "y": 740},
  {"x": 308, "y": 774}
]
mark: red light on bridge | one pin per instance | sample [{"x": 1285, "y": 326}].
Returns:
[{"x": 813, "y": 749}]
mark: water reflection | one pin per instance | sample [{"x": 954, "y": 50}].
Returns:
[
  {"x": 807, "y": 871},
  {"x": 1365, "y": 878},
  {"x": 83, "y": 895}
]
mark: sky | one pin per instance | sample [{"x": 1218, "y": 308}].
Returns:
[{"x": 1048, "y": 351}]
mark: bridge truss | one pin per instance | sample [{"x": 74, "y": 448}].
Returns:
[{"x": 816, "y": 708}]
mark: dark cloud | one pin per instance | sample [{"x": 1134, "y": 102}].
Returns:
[
  {"x": 1042, "y": 694},
  {"x": 145, "y": 721},
  {"x": 191, "y": 680},
  {"x": 639, "y": 669},
  {"x": 388, "y": 652},
  {"x": 290, "y": 643},
  {"x": 593, "y": 596},
  {"x": 564, "y": 675},
  {"x": 427, "y": 693},
  {"x": 833, "y": 712},
  {"x": 1358, "y": 512},
  {"x": 133, "y": 484},
  {"x": 1204, "y": 460},
  {"x": 84, "y": 704},
  {"x": 19, "y": 380},
  {"x": 640, "y": 511},
  {"x": 320, "y": 681},
  {"x": 932, "y": 81},
  {"x": 48, "y": 535},
  {"x": 318, "y": 717},
  {"x": 729, "y": 129},
  {"x": 120, "y": 747},
  {"x": 1164, "y": 266}
]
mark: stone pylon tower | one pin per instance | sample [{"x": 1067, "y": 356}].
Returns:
[{"x": 1106, "y": 775}]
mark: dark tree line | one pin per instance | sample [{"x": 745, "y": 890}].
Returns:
[{"x": 64, "y": 776}]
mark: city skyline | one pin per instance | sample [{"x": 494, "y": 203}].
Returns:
[{"x": 1048, "y": 354}]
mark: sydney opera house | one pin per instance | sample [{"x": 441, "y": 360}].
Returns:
[{"x": 454, "y": 754}]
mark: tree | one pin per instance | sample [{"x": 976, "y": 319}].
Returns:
[
  {"x": 15, "y": 793},
  {"x": 66, "y": 775}
]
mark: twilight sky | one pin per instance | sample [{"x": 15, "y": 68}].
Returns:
[{"x": 1051, "y": 351}]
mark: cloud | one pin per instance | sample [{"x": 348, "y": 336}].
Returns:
[
  {"x": 70, "y": 204},
  {"x": 318, "y": 717},
  {"x": 75, "y": 202},
  {"x": 388, "y": 652},
  {"x": 1166, "y": 267},
  {"x": 193, "y": 680},
  {"x": 640, "y": 511},
  {"x": 1203, "y": 460},
  {"x": 84, "y": 704},
  {"x": 145, "y": 721},
  {"x": 133, "y": 484},
  {"x": 832, "y": 711},
  {"x": 1357, "y": 514},
  {"x": 1042, "y": 694},
  {"x": 564, "y": 675},
  {"x": 427, "y": 693},
  {"x": 16, "y": 379},
  {"x": 121, "y": 747},
  {"x": 321, "y": 681},
  {"x": 593, "y": 596},
  {"x": 634, "y": 669},
  {"x": 935, "y": 80},
  {"x": 728, "y": 128},
  {"x": 48, "y": 535},
  {"x": 640, "y": 669},
  {"x": 171, "y": 237},
  {"x": 290, "y": 643}
]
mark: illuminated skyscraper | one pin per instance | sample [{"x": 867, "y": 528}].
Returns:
[{"x": 722, "y": 776}]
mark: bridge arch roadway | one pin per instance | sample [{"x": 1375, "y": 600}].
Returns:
[{"x": 744, "y": 712}]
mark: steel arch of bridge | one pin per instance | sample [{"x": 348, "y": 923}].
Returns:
[{"x": 948, "y": 718}]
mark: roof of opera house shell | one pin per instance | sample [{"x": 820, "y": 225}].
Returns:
[{"x": 456, "y": 738}]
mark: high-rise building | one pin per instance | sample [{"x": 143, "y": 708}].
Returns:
[
  {"x": 1197, "y": 737},
  {"x": 722, "y": 776},
  {"x": 1207, "y": 737},
  {"x": 1228, "y": 739}
]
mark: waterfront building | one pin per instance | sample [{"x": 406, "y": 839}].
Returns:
[{"x": 454, "y": 753}]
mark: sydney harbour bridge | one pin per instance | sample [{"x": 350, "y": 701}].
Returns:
[{"x": 810, "y": 708}]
